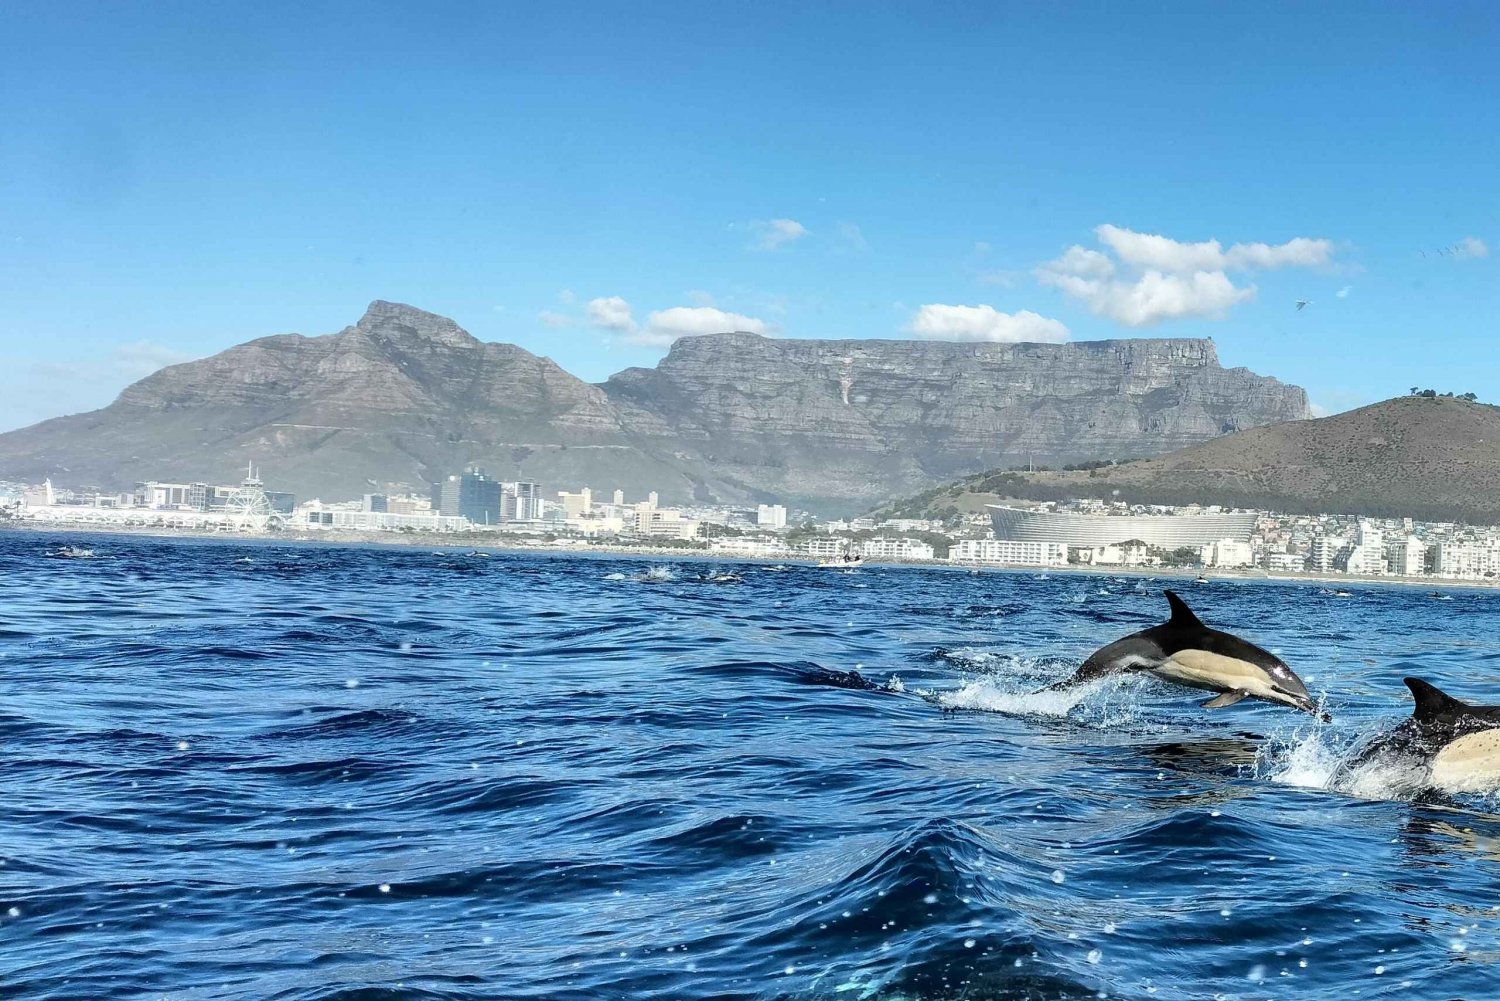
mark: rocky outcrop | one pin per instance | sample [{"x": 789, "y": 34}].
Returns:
[{"x": 404, "y": 396}]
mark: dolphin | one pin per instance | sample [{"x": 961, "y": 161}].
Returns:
[
  {"x": 1455, "y": 746},
  {"x": 1185, "y": 651}
]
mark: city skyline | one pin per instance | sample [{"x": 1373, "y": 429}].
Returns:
[{"x": 181, "y": 179}]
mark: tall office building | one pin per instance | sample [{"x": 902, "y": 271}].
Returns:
[{"x": 472, "y": 495}]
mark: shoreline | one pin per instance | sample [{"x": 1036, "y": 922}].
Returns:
[{"x": 446, "y": 541}]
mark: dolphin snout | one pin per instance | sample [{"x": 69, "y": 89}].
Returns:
[{"x": 1307, "y": 705}]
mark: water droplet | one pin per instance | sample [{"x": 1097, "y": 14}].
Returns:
[
  {"x": 1057, "y": 876},
  {"x": 968, "y": 943},
  {"x": 1257, "y": 973},
  {"x": 1094, "y": 956},
  {"x": 352, "y": 683},
  {"x": 385, "y": 888},
  {"x": 1109, "y": 927},
  {"x": 182, "y": 745}
]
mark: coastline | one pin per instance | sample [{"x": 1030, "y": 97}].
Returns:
[{"x": 443, "y": 541}]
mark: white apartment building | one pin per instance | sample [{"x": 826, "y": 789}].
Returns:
[
  {"x": 1286, "y": 562},
  {"x": 1466, "y": 559},
  {"x": 1407, "y": 556},
  {"x": 1127, "y": 554},
  {"x": 579, "y": 505},
  {"x": 385, "y": 521},
  {"x": 895, "y": 549},
  {"x": 749, "y": 545},
  {"x": 1227, "y": 553},
  {"x": 1368, "y": 554},
  {"x": 823, "y": 547},
  {"x": 770, "y": 516},
  {"x": 1326, "y": 552},
  {"x": 1010, "y": 552}
]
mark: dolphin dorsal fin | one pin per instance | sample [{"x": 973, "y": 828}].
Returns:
[
  {"x": 1431, "y": 701},
  {"x": 1181, "y": 614}
]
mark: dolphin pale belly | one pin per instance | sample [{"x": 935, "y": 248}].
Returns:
[
  {"x": 1449, "y": 744},
  {"x": 1184, "y": 651}
]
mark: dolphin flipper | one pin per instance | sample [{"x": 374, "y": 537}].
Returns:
[{"x": 1227, "y": 699}]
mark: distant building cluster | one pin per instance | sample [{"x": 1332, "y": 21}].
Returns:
[{"x": 1054, "y": 534}]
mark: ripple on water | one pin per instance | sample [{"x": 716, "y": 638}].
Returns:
[{"x": 369, "y": 772}]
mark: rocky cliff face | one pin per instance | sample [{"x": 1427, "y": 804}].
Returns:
[
  {"x": 404, "y": 396},
  {"x": 860, "y": 419}
]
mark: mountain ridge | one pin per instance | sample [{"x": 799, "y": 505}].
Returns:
[{"x": 404, "y": 396}]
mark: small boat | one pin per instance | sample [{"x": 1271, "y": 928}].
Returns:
[
  {"x": 1200, "y": 579},
  {"x": 847, "y": 560}
]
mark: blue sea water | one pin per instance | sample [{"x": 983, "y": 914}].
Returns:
[{"x": 260, "y": 770}]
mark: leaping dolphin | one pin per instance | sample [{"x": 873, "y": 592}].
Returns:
[
  {"x": 1456, "y": 745},
  {"x": 1185, "y": 651}
]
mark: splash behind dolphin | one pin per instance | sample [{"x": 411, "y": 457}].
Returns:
[
  {"x": 1454, "y": 746},
  {"x": 1185, "y": 651}
]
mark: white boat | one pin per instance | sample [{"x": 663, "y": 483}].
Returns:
[{"x": 846, "y": 560}]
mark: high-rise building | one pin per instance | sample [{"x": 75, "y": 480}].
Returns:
[
  {"x": 770, "y": 516},
  {"x": 652, "y": 499},
  {"x": 472, "y": 495},
  {"x": 619, "y": 497},
  {"x": 375, "y": 504},
  {"x": 523, "y": 501},
  {"x": 1408, "y": 556},
  {"x": 579, "y": 505}
]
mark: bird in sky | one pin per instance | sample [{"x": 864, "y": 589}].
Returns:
[{"x": 1303, "y": 304}]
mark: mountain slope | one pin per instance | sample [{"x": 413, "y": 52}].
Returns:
[
  {"x": 403, "y": 397},
  {"x": 1435, "y": 459},
  {"x": 400, "y": 398}
]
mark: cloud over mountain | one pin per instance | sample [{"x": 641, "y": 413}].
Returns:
[
  {"x": 1144, "y": 278},
  {"x": 942, "y": 322}
]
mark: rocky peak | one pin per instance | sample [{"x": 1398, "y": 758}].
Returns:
[{"x": 397, "y": 319}]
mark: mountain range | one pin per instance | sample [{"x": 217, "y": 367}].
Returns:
[{"x": 403, "y": 397}]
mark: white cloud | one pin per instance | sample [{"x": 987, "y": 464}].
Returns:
[
  {"x": 566, "y": 297},
  {"x": 548, "y": 318},
  {"x": 853, "y": 237},
  {"x": 1149, "y": 251},
  {"x": 611, "y": 313},
  {"x": 941, "y": 322},
  {"x": 1471, "y": 246},
  {"x": 666, "y": 325},
  {"x": 773, "y": 233},
  {"x": 1343, "y": 293},
  {"x": 1146, "y": 278}
]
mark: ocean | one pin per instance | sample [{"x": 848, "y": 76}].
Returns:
[{"x": 251, "y": 770}]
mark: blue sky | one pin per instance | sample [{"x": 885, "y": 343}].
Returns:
[{"x": 591, "y": 180}]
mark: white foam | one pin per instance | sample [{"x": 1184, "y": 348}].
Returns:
[
  {"x": 1320, "y": 760},
  {"x": 987, "y": 695}
]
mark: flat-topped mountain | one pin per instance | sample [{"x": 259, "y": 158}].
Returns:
[
  {"x": 1434, "y": 459},
  {"x": 404, "y": 396},
  {"x": 852, "y": 419}
]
